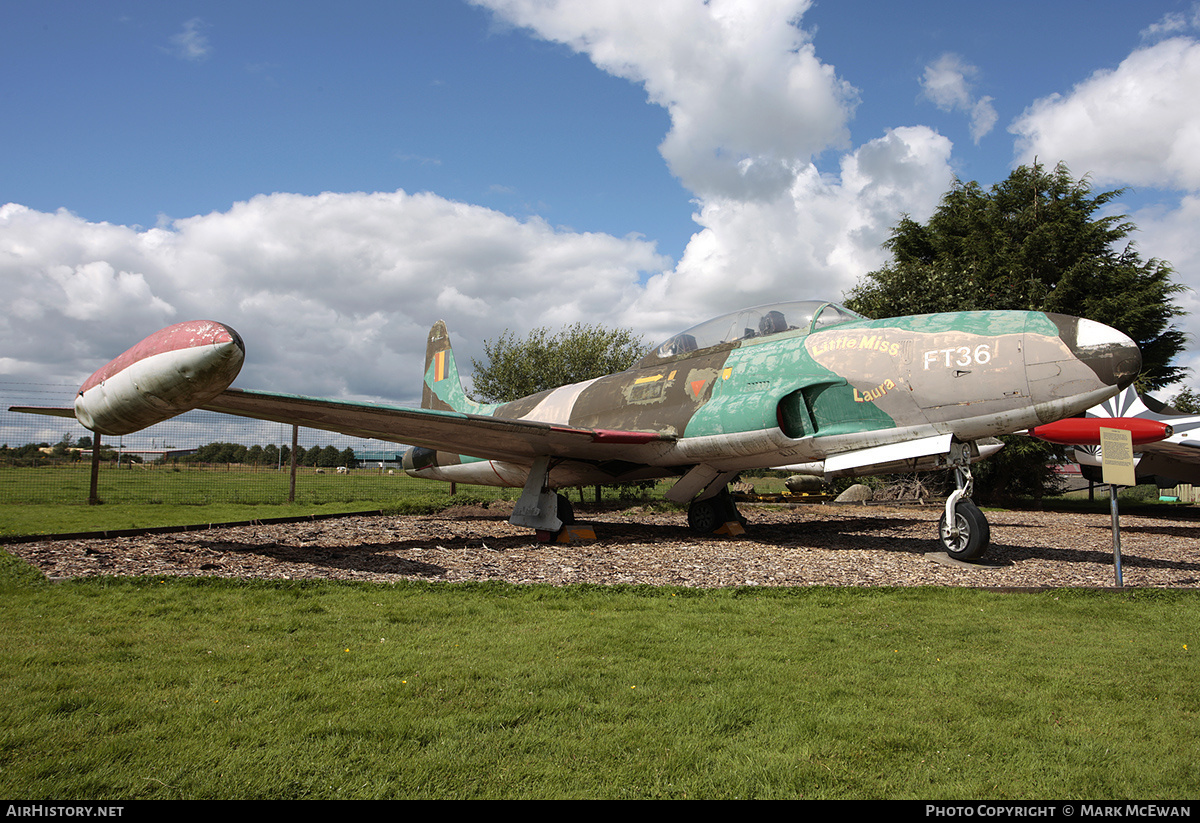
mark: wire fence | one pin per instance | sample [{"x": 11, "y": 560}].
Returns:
[{"x": 196, "y": 458}]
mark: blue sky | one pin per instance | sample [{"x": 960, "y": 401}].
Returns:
[
  {"x": 120, "y": 122},
  {"x": 332, "y": 178}
]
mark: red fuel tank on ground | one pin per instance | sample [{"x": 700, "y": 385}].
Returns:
[
  {"x": 172, "y": 371},
  {"x": 1085, "y": 431}
]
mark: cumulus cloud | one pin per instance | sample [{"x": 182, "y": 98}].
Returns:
[
  {"x": 751, "y": 106},
  {"x": 815, "y": 241},
  {"x": 1173, "y": 23},
  {"x": 749, "y": 101},
  {"x": 333, "y": 293},
  {"x": 1135, "y": 124},
  {"x": 947, "y": 84}
]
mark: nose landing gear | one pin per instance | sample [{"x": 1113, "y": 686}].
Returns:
[{"x": 962, "y": 529}]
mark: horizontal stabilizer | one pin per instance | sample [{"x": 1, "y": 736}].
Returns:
[{"x": 52, "y": 411}]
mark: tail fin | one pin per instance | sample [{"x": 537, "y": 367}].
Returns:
[
  {"x": 443, "y": 387},
  {"x": 1126, "y": 404}
]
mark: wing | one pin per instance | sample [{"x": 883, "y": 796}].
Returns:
[
  {"x": 475, "y": 435},
  {"x": 491, "y": 438},
  {"x": 190, "y": 366}
]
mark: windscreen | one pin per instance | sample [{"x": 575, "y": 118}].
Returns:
[{"x": 759, "y": 321}]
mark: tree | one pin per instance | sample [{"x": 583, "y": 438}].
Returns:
[
  {"x": 62, "y": 447},
  {"x": 1035, "y": 241},
  {"x": 516, "y": 367},
  {"x": 1187, "y": 401}
]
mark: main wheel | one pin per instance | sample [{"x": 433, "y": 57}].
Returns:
[
  {"x": 974, "y": 533},
  {"x": 566, "y": 512},
  {"x": 706, "y": 516},
  {"x": 703, "y": 517}
]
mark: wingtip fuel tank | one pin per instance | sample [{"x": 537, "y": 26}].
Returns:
[
  {"x": 1085, "y": 431},
  {"x": 172, "y": 371}
]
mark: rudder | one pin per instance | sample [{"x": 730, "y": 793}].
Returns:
[{"x": 443, "y": 387}]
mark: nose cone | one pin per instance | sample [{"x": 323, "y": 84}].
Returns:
[{"x": 1113, "y": 356}]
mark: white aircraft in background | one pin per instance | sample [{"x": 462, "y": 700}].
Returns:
[{"x": 1166, "y": 441}]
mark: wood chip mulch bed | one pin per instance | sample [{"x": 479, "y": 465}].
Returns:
[{"x": 827, "y": 545}]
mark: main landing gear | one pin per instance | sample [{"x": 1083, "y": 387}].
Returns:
[
  {"x": 963, "y": 529},
  {"x": 708, "y": 515}
]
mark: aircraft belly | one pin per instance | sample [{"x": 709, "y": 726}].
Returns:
[
  {"x": 736, "y": 446},
  {"x": 461, "y": 469}
]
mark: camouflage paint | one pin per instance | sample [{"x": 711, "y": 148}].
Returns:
[{"x": 805, "y": 393}]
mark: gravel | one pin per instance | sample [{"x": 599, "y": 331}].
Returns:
[{"x": 806, "y": 545}]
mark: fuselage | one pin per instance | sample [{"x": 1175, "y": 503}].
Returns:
[{"x": 822, "y": 382}]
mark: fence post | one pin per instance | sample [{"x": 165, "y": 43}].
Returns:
[
  {"x": 295, "y": 443},
  {"x": 94, "y": 490}
]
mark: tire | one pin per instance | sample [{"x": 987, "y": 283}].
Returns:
[
  {"x": 706, "y": 516},
  {"x": 702, "y": 516},
  {"x": 566, "y": 512},
  {"x": 975, "y": 535}
]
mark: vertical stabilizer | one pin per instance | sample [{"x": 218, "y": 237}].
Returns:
[
  {"x": 1126, "y": 404},
  {"x": 443, "y": 387}
]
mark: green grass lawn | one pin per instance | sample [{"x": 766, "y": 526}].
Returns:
[
  {"x": 192, "y": 486},
  {"x": 119, "y": 689},
  {"x": 53, "y": 500},
  {"x": 196, "y": 688}
]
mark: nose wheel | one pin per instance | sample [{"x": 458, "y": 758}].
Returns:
[
  {"x": 969, "y": 536},
  {"x": 963, "y": 530}
]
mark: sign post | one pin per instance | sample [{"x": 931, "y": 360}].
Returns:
[
  {"x": 1115, "y": 436},
  {"x": 1117, "y": 465}
]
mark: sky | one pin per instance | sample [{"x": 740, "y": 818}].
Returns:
[{"x": 330, "y": 179}]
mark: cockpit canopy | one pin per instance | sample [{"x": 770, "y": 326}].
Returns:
[{"x": 801, "y": 315}]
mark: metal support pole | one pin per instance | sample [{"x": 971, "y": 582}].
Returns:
[
  {"x": 1116, "y": 527},
  {"x": 292, "y": 483},
  {"x": 94, "y": 491}
]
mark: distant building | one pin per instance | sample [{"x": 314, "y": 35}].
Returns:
[{"x": 368, "y": 457}]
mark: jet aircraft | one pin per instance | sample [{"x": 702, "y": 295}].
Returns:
[{"x": 801, "y": 382}]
